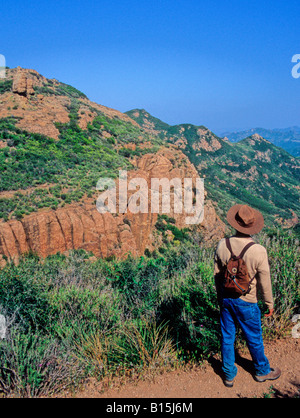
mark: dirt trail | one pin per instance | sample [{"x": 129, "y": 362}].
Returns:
[{"x": 206, "y": 381}]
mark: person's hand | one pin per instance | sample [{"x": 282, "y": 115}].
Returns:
[{"x": 271, "y": 311}]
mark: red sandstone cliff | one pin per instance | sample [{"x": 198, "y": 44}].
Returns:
[{"x": 80, "y": 225}]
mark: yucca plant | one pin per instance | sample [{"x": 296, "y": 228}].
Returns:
[
  {"x": 148, "y": 346},
  {"x": 98, "y": 351}
]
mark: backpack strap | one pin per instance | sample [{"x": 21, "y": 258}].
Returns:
[
  {"x": 242, "y": 255},
  {"x": 246, "y": 248},
  {"x": 228, "y": 245}
]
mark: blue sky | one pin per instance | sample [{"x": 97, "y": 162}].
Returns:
[{"x": 223, "y": 64}]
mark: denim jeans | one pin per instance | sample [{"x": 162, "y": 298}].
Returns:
[{"x": 247, "y": 316}]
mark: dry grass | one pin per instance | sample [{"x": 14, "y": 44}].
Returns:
[
  {"x": 132, "y": 353},
  {"x": 151, "y": 345}
]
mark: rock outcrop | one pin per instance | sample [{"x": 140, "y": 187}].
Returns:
[
  {"x": 22, "y": 84},
  {"x": 36, "y": 103}
]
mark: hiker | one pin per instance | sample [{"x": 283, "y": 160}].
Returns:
[{"x": 240, "y": 267}]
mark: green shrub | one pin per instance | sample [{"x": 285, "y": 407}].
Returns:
[
  {"x": 34, "y": 365},
  {"x": 5, "y": 86},
  {"x": 75, "y": 162}
]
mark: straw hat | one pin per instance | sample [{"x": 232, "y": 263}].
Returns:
[{"x": 245, "y": 219}]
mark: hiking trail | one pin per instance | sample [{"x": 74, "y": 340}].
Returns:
[{"x": 205, "y": 381}]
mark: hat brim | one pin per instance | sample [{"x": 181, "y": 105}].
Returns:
[{"x": 256, "y": 227}]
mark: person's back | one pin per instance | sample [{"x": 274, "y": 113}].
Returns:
[
  {"x": 244, "y": 309},
  {"x": 256, "y": 259}
]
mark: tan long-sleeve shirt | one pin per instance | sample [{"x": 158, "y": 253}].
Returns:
[{"x": 256, "y": 259}]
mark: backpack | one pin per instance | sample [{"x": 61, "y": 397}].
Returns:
[{"x": 236, "y": 277}]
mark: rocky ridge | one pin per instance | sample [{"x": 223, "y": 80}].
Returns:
[{"x": 39, "y": 103}]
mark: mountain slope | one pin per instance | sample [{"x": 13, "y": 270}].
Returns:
[
  {"x": 252, "y": 171},
  {"x": 40, "y": 103},
  {"x": 55, "y": 145}
]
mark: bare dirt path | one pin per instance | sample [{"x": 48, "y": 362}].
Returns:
[{"x": 206, "y": 382}]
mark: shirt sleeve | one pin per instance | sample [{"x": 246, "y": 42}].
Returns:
[
  {"x": 264, "y": 278},
  {"x": 217, "y": 275}
]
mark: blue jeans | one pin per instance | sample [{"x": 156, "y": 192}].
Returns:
[{"x": 247, "y": 316}]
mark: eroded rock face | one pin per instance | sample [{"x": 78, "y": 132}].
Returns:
[
  {"x": 49, "y": 232},
  {"x": 80, "y": 225},
  {"x": 35, "y": 112},
  {"x": 22, "y": 84}
]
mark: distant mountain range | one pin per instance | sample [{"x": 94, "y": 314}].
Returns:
[{"x": 287, "y": 138}]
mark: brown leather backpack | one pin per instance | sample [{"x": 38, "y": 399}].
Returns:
[{"x": 236, "y": 277}]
